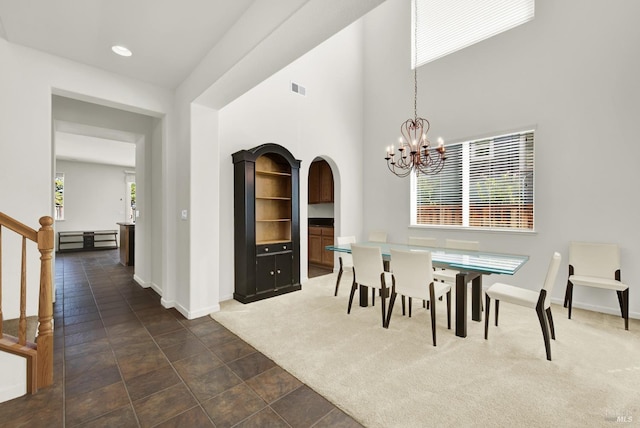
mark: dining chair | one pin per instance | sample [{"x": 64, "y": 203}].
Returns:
[
  {"x": 377, "y": 236},
  {"x": 345, "y": 259},
  {"x": 413, "y": 277},
  {"x": 449, "y": 275},
  {"x": 420, "y": 241},
  {"x": 596, "y": 265},
  {"x": 540, "y": 301},
  {"x": 368, "y": 270}
]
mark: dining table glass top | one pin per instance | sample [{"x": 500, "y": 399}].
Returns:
[{"x": 462, "y": 260}]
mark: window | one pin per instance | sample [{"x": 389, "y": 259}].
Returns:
[
  {"x": 58, "y": 196},
  {"x": 130, "y": 193},
  {"x": 446, "y": 26},
  {"x": 486, "y": 183}
]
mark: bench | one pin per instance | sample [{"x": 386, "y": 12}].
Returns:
[{"x": 88, "y": 240}]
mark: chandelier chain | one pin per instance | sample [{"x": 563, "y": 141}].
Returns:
[{"x": 414, "y": 151}]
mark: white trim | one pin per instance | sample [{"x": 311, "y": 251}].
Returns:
[
  {"x": 142, "y": 283},
  {"x": 187, "y": 313}
]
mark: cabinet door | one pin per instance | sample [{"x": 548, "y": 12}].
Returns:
[
  {"x": 326, "y": 182},
  {"x": 327, "y": 256},
  {"x": 315, "y": 249},
  {"x": 314, "y": 183},
  {"x": 284, "y": 270},
  {"x": 265, "y": 273}
]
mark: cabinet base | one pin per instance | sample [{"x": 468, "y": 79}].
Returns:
[{"x": 267, "y": 294}]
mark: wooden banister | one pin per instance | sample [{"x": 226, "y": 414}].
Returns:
[{"x": 38, "y": 354}]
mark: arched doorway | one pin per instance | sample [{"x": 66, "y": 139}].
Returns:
[{"x": 321, "y": 216}]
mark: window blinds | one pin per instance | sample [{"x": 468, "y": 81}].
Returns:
[
  {"x": 446, "y": 26},
  {"x": 501, "y": 182},
  {"x": 439, "y": 197},
  {"x": 485, "y": 183}
]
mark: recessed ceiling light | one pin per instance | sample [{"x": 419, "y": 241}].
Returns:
[{"x": 121, "y": 50}]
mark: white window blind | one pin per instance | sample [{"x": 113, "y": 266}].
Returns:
[
  {"x": 439, "y": 197},
  {"x": 485, "y": 183},
  {"x": 501, "y": 182},
  {"x": 446, "y": 26}
]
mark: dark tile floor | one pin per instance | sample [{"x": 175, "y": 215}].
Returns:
[{"x": 122, "y": 360}]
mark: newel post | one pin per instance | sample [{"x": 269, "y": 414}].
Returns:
[{"x": 45, "y": 305}]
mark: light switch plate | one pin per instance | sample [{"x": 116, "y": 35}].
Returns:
[{"x": 183, "y": 215}]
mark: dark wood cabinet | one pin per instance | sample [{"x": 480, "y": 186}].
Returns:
[
  {"x": 127, "y": 243},
  {"x": 267, "y": 222},
  {"x": 319, "y": 238},
  {"x": 320, "y": 183}
]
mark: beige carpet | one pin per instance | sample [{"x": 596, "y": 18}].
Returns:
[{"x": 396, "y": 378}]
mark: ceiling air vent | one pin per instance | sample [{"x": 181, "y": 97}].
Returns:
[{"x": 298, "y": 89}]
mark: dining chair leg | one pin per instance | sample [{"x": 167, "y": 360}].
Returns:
[
  {"x": 404, "y": 312},
  {"x": 486, "y": 318},
  {"x": 339, "y": 277},
  {"x": 432, "y": 298},
  {"x": 543, "y": 323},
  {"x": 354, "y": 287},
  {"x": 383, "y": 298},
  {"x": 497, "y": 310},
  {"x": 619, "y": 293},
  {"x": 625, "y": 310},
  {"x": 373, "y": 296},
  {"x": 550, "y": 320},
  {"x": 410, "y": 306},
  {"x": 569, "y": 297},
  {"x": 392, "y": 301},
  {"x": 449, "y": 309}
]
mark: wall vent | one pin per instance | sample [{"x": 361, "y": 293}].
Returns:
[{"x": 298, "y": 89}]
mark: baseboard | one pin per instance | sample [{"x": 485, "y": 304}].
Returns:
[
  {"x": 187, "y": 313},
  {"x": 142, "y": 283},
  {"x": 596, "y": 308},
  {"x": 156, "y": 288},
  {"x": 227, "y": 297}
]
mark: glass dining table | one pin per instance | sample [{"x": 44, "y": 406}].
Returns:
[{"x": 471, "y": 266}]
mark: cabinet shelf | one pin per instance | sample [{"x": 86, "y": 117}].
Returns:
[
  {"x": 271, "y": 242},
  {"x": 274, "y": 219},
  {"x": 282, "y": 174},
  {"x": 274, "y": 198}
]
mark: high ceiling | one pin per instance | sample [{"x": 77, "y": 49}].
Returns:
[
  {"x": 234, "y": 44},
  {"x": 169, "y": 38}
]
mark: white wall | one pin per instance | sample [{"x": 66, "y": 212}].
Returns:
[
  {"x": 146, "y": 131},
  {"x": 327, "y": 122},
  {"x": 95, "y": 196},
  {"x": 27, "y": 80},
  {"x": 573, "y": 74}
]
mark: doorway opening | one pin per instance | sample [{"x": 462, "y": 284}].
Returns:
[{"x": 321, "y": 218}]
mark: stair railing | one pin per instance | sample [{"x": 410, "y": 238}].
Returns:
[{"x": 38, "y": 354}]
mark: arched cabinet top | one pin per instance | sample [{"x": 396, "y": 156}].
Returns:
[{"x": 253, "y": 154}]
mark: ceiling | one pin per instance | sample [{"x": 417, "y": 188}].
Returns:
[
  {"x": 226, "y": 46},
  {"x": 168, "y": 37}
]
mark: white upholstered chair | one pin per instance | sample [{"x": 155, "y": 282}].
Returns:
[
  {"x": 368, "y": 270},
  {"x": 596, "y": 265},
  {"x": 540, "y": 301},
  {"x": 449, "y": 275},
  {"x": 345, "y": 259},
  {"x": 420, "y": 241},
  {"x": 377, "y": 236},
  {"x": 413, "y": 277}
]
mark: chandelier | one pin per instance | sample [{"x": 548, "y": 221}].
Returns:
[{"x": 414, "y": 152}]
